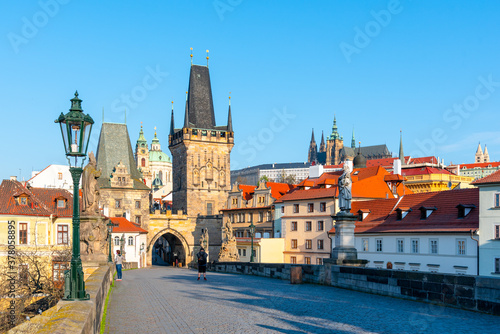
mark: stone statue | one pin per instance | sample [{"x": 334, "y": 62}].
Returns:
[
  {"x": 345, "y": 184},
  {"x": 91, "y": 194},
  {"x": 204, "y": 239},
  {"x": 228, "y": 251}
]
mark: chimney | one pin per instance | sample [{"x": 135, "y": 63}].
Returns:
[
  {"x": 396, "y": 167},
  {"x": 13, "y": 178}
]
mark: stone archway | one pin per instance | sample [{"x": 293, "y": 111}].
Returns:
[{"x": 180, "y": 249}]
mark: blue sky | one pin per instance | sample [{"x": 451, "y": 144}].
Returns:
[{"x": 428, "y": 68}]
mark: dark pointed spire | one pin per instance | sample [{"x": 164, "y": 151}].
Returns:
[
  {"x": 353, "y": 141},
  {"x": 312, "y": 155},
  {"x": 172, "y": 127},
  {"x": 229, "y": 118},
  {"x": 200, "y": 107},
  {"x": 401, "y": 154},
  {"x": 335, "y": 133},
  {"x": 322, "y": 146},
  {"x": 186, "y": 114}
]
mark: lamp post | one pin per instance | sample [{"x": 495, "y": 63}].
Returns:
[
  {"x": 75, "y": 130},
  {"x": 110, "y": 230},
  {"x": 252, "y": 231}
]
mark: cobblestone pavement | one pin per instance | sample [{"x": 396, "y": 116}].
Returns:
[{"x": 171, "y": 300}]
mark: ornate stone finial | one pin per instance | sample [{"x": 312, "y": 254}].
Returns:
[
  {"x": 191, "y": 56},
  {"x": 76, "y": 93}
]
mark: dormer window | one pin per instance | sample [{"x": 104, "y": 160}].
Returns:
[
  {"x": 61, "y": 203},
  {"x": 464, "y": 209},
  {"x": 363, "y": 213},
  {"x": 426, "y": 211},
  {"x": 402, "y": 212},
  {"x": 23, "y": 200}
]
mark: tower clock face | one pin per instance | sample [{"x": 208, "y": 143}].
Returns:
[{"x": 143, "y": 151}]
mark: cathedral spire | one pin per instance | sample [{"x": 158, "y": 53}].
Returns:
[
  {"x": 322, "y": 146},
  {"x": 141, "y": 139},
  {"x": 312, "y": 155},
  {"x": 229, "y": 118},
  {"x": 353, "y": 141},
  {"x": 172, "y": 127},
  {"x": 401, "y": 154},
  {"x": 486, "y": 156},
  {"x": 479, "y": 153}
]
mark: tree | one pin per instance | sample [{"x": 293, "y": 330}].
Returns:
[
  {"x": 264, "y": 178},
  {"x": 35, "y": 289}
]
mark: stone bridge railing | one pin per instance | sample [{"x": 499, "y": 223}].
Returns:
[
  {"x": 74, "y": 317},
  {"x": 475, "y": 293}
]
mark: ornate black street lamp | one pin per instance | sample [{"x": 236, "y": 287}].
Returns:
[
  {"x": 75, "y": 130},
  {"x": 110, "y": 231},
  {"x": 252, "y": 232}
]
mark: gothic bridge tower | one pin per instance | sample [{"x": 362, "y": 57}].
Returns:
[{"x": 200, "y": 152}]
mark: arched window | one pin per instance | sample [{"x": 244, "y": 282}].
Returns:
[
  {"x": 117, "y": 241},
  {"x": 130, "y": 241},
  {"x": 160, "y": 175},
  {"x": 143, "y": 162}
]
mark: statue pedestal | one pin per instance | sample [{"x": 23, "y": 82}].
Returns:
[
  {"x": 344, "y": 237},
  {"x": 93, "y": 239},
  {"x": 228, "y": 252}
]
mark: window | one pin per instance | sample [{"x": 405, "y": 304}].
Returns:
[
  {"x": 269, "y": 216},
  {"x": 138, "y": 220},
  {"x": 23, "y": 200},
  {"x": 293, "y": 259},
  {"x": 261, "y": 216},
  {"x": 117, "y": 241},
  {"x": 322, "y": 207},
  {"x": 310, "y": 207},
  {"x": 294, "y": 243},
  {"x": 250, "y": 218},
  {"x": 244, "y": 252},
  {"x": 209, "y": 209},
  {"x": 62, "y": 234},
  {"x": 415, "y": 246},
  {"x": 235, "y": 201},
  {"x": 320, "y": 244},
  {"x": 460, "y": 246},
  {"x": 497, "y": 232},
  {"x": 143, "y": 162},
  {"x": 118, "y": 204},
  {"x": 58, "y": 269},
  {"x": 433, "y": 243},
  {"x": 294, "y": 226},
  {"x": 130, "y": 241},
  {"x": 319, "y": 261},
  {"x": 378, "y": 243},
  {"x": 497, "y": 200},
  {"x": 365, "y": 244},
  {"x": 400, "y": 245},
  {"x": 23, "y": 233},
  {"x": 61, "y": 204},
  {"x": 239, "y": 251},
  {"x": 307, "y": 260},
  {"x": 137, "y": 204},
  {"x": 309, "y": 244},
  {"x": 321, "y": 225},
  {"x": 497, "y": 265},
  {"x": 295, "y": 208},
  {"x": 282, "y": 209},
  {"x": 308, "y": 226},
  {"x": 59, "y": 176},
  {"x": 243, "y": 217}
]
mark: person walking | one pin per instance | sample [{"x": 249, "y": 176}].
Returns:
[
  {"x": 202, "y": 263},
  {"x": 118, "y": 262}
]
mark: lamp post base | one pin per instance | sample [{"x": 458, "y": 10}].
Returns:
[{"x": 74, "y": 284}]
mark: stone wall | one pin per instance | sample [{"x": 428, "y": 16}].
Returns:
[
  {"x": 74, "y": 317},
  {"x": 462, "y": 291}
]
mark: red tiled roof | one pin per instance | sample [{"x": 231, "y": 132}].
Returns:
[
  {"x": 41, "y": 201},
  {"x": 424, "y": 170},
  {"x": 366, "y": 183},
  {"x": 477, "y": 164},
  {"x": 122, "y": 225},
  {"x": 247, "y": 191},
  {"x": 383, "y": 215},
  {"x": 279, "y": 189},
  {"x": 492, "y": 178},
  {"x": 421, "y": 160}
]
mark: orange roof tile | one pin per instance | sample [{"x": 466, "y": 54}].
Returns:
[
  {"x": 478, "y": 164},
  {"x": 492, "y": 178},
  {"x": 279, "y": 189},
  {"x": 424, "y": 170},
  {"x": 247, "y": 191},
  {"x": 122, "y": 225},
  {"x": 383, "y": 216}
]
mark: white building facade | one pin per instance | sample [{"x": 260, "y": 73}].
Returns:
[{"x": 53, "y": 176}]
